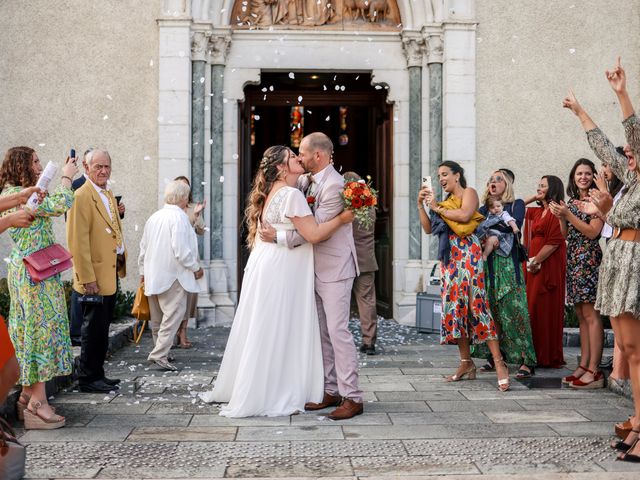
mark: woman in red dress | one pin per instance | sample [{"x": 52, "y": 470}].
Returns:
[{"x": 546, "y": 271}]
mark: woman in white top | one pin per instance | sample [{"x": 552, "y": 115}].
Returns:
[{"x": 272, "y": 363}]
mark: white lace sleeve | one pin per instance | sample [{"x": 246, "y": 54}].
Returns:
[{"x": 296, "y": 205}]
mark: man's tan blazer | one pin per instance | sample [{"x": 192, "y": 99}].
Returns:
[{"x": 92, "y": 242}]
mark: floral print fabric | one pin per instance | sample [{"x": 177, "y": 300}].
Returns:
[
  {"x": 583, "y": 261},
  {"x": 38, "y": 321},
  {"x": 619, "y": 285},
  {"x": 508, "y": 303},
  {"x": 464, "y": 304}
]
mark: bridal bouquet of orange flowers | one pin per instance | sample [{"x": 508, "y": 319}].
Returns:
[{"x": 361, "y": 198}]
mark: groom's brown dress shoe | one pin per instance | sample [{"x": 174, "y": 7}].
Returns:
[
  {"x": 348, "y": 409},
  {"x": 327, "y": 401}
]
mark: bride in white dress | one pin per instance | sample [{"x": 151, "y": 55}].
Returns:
[{"x": 272, "y": 364}]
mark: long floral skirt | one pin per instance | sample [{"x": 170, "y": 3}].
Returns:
[
  {"x": 465, "y": 313},
  {"x": 508, "y": 304}
]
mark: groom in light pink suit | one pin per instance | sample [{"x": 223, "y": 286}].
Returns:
[{"x": 335, "y": 268}]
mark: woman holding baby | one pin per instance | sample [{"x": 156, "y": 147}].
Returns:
[{"x": 506, "y": 290}]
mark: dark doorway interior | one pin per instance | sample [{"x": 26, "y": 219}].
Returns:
[{"x": 285, "y": 106}]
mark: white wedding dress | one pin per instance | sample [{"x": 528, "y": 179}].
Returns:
[{"x": 272, "y": 364}]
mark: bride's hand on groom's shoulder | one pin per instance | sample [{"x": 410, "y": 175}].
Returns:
[
  {"x": 267, "y": 233},
  {"x": 347, "y": 216}
]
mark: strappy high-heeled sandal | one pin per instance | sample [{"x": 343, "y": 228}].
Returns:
[
  {"x": 504, "y": 384},
  {"x": 34, "y": 421},
  {"x": 470, "y": 373},
  {"x": 621, "y": 446},
  {"x": 21, "y": 405},
  {"x": 630, "y": 457}
]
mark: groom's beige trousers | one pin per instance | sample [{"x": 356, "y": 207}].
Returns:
[{"x": 339, "y": 353}]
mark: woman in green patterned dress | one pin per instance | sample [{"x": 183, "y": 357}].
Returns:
[
  {"x": 506, "y": 289},
  {"x": 38, "y": 322}
]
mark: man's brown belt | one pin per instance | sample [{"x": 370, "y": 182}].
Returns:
[{"x": 628, "y": 234}]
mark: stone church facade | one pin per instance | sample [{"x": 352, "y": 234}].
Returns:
[{"x": 173, "y": 87}]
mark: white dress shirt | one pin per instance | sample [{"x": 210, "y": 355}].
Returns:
[{"x": 168, "y": 251}]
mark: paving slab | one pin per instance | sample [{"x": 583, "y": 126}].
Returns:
[
  {"x": 310, "y": 432},
  {"x": 417, "y": 406},
  {"x": 411, "y": 466},
  {"x": 217, "y": 420},
  {"x": 321, "y": 419},
  {"x": 182, "y": 434},
  {"x": 479, "y": 406},
  {"x": 437, "y": 418},
  {"x": 537, "y": 416},
  {"x": 418, "y": 396},
  {"x": 78, "y": 434},
  {"x": 169, "y": 420}
]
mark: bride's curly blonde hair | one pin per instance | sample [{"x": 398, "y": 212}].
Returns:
[{"x": 267, "y": 174}]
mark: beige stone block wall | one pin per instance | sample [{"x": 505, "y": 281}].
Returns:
[
  {"x": 528, "y": 55},
  {"x": 79, "y": 73}
]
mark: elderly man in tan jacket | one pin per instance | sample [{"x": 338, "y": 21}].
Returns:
[{"x": 95, "y": 239}]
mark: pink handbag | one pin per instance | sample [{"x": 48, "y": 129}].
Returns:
[{"x": 48, "y": 262}]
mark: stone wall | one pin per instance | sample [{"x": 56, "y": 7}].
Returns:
[
  {"x": 528, "y": 55},
  {"x": 77, "y": 74}
]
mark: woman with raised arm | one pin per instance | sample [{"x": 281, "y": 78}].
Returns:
[
  {"x": 272, "y": 363},
  {"x": 466, "y": 318},
  {"x": 619, "y": 284},
  {"x": 584, "y": 255}
]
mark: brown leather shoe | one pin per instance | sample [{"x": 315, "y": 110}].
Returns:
[
  {"x": 327, "y": 401},
  {"x": 348, "y": 409}
]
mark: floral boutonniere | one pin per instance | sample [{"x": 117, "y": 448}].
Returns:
[{"x": 311, "y": 200}]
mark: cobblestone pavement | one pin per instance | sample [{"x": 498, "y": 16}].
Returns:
[{"x": 415, "y": 424}]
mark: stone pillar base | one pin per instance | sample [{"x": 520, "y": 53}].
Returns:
[
  {"x": 406, "y": 306},
  {"x": 221, "y": 309}
]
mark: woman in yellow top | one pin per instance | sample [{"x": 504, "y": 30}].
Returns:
[{"x": 466, "y": 318}]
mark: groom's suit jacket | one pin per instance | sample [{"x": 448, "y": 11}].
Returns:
[{"x": 335, "y": 258}]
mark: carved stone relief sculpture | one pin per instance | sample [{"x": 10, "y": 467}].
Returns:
[{"x": 368, "y": 14}]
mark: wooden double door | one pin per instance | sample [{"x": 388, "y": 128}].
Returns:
[{"x": 357, "y": 118}]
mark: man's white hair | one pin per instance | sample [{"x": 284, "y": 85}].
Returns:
[
  {"x": 176, "y": 192},
  {"x": 89, "y": 154}
]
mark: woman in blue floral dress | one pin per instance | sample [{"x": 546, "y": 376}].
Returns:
[
  {"x": 584, "y": 255},
  {"x": 38, "y": 322}
]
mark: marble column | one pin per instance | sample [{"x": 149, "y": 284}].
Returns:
[
  {"x": 219, "y": 46},
  {"x": 219, "y": 43},
  {"x": 434, "y": 46},
  {"x": 198, "y": 73},
  {"x": 413, "y": 48}
]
